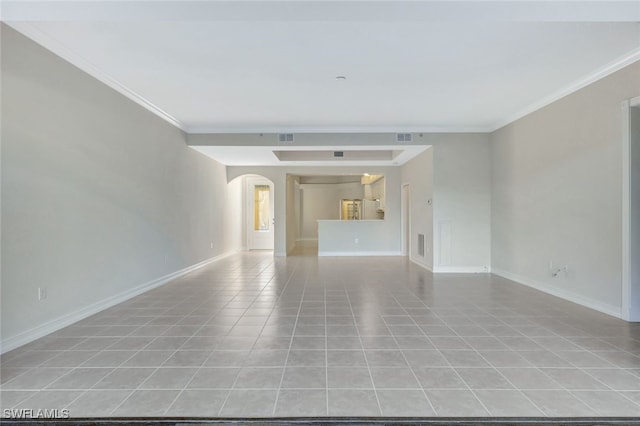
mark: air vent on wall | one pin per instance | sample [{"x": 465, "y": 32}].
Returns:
[
  {"x": 338, "y": 153},
  {"x": 285, "y": 138},
  {"x": 404, "y": 137},
  {"x": 421, "y": 245}
]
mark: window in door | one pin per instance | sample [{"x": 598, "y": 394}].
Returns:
[{"x": 261, "y": 210}]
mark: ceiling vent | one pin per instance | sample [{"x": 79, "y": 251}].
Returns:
[
  {"x": 285, "y": 138},
  {"x": 404, "y": 137},
  {"x": 338, "y": 153}
]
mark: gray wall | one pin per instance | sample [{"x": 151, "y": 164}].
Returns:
[
  {"x": 462, "y": 202},
  {"x": 557, "y": 194},
  {"x": 418, "y": 174},
  {"x": 457, "y": 175},
  {"x": 354, "y": 238},
  {"x": 99, "y": 196},
  {"x": 322, "y": 202}
]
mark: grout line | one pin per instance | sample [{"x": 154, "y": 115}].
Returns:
[
  {"x": 444, "y": 357},
  {"x": 318, "y": 388},
  {"x": 366, "y": 360},
  {"x": 500, "y": 373},
  {"x": 521, "y": 391},
  {"x": 224, "y": 403},
  {"x": 284, "y": 367},
  {"x": 211, "y": 354},
  {"x": 241, "y": 287},
  {"x": 174, "y": 352},
  {"x": 326, "y": 353},
  {"x": 165, "y": 361},
  {"x": 441, "y": 354}
]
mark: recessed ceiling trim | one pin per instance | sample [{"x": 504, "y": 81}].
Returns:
[
  {"x": 68, "y": 55},
  {"x": 335, "y": 155},
  {"x": 599, "y": 74},
  {"x": 363, "y": 129},
  {"x": 379, "y": 155}
]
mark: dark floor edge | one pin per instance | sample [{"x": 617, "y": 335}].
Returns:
[{"x": 318, "y": 421}]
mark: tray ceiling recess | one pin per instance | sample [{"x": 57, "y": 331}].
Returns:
[{"x": 308, "y": 149}]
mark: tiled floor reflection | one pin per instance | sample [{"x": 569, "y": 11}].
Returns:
[{"x": 256, "y": 336}]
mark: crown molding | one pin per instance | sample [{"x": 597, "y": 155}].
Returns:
[
  {"x": 200, "y": 130},
  {"x": 599, "y": 74},
  {"x": 51, "y": 44}
]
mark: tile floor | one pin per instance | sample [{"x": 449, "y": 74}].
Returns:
[{"x": 256, "y": 336}]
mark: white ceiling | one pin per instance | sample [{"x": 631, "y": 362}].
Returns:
[{"x": 270, "y": 66}]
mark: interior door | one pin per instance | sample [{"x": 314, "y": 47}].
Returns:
[{"x": 260, "y": 218}]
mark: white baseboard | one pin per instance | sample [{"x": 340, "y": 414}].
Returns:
[
  {"x": 359, "y": 253},
  {"x": 56, "y": 324},
  {"x": 461, "y": 270},
  {"x": 422, "y": 265},
  {"x": 615, "y": 311}
]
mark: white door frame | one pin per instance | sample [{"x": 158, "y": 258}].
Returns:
[
  {"x": 406, "y": 219},
  {"x": 630, "y": 282},
  {"x": 268, "y": 242}
]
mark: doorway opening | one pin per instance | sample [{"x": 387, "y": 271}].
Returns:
[
  {"x": 631, "y": 210},
  {"x": 319, "y": 206}
]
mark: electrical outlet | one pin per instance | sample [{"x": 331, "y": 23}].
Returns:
[
  {"x": 211, "y": 245},
  {"x": 42, "y": 293},
  {"x": 356, "y": 240},
  {"x": 556, "y": 270}
]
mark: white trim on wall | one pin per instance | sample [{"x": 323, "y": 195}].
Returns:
[
  {"x": 628, "y": 311},
  {"x": 599, "y": 74},
  {"x": 597, "y": 305},
  {"x": 422, "y": 265},
  {"x": 360, "y": 253},
  {"x": 626, "y": 200},
  {"x": 461, "y": 270},
  {"x": 452, "y": 269},
  {"x": 73, "y": 317},
  {"x": 51, "y": 44},
  {"x": 405, "y": 211}
]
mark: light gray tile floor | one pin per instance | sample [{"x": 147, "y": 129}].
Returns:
[{"x": 255, "y": 336}]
